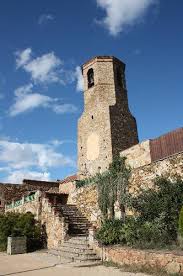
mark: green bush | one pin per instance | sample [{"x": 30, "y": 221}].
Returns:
[
  {"x": 181, "y": 222},
  {"x": 156, "y": 222},
  {"x": 145, "y": 235},
  {"x": 162, "y": 203},
  {"x": 111, "y": 232},
  {"x": 14, "y": 224}
]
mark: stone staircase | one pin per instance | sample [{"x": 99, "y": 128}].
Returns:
[{"x": 76, "y": 247}]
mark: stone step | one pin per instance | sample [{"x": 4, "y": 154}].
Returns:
[
  {"x": 75, "y": 231},
  {"x": 77, "y": 245},
  {"x": 79, "y": 240},
  {"x": 74, "y": 249},
  {"x": 77, "y": 221},
  {"x": 74, "y": 256},
  {"x": 79, "y": 225}
]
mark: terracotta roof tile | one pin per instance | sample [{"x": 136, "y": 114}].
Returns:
[
  {"x": 53, "y": 190},
  {"x": 70, "y": 178}
]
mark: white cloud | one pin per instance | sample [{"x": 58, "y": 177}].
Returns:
[
  {"x": 48, "y": 68},
  {"x": 56, "y": 142},
  {"x": 44, "y": 18},
  {"x": 23, "y": 57},
  {"x": 26, "y": 100},
  {"x": 18, "y": 156},
  {"x": 64, "y": 108},
  {"x": 79, "y": 79},
  {"x": 122, "y": 13},
  {"x": 43, "y": 69},
  {"x": 18, "y": 176}
]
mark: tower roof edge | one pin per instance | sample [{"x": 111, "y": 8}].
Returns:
[{"x": 101, "y": 59}]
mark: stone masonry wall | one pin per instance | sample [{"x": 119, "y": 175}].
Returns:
[
  {"x": 87, "y": 202},
  {"x": 86, "y": 197},
  {"x": 138, "y": 155},
  {"x": 55, "y": 227},
  {"x": 144, "y": 176},
  {"x": 53, "y": 224},
  {"x": 171, "y": 262},
  {"x": 106, "y": 126}
]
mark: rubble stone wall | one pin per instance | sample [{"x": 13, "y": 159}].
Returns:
[
  {"x": 138, "y": 155},
  {"x": 86, "y": 197},
  {"x": 171, "y": 262},
  {"x": 54, "y": 225},
  {"x": 86, "y": 200}
]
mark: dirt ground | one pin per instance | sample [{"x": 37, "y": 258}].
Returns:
[{"x": 43, "y": 264}]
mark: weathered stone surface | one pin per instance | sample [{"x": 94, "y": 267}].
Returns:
[
  {"x": 106, "y": 126},
  {"x": 173, "y": 267},
  {"x": 144, "y": 176},
  {"x": 16, "y": 245},
  {"x": 9, "y": 192},
  {"x": 52, "y": 222},
  {"x": 171, "y": 262},
  {"x": 86, "y": 199},
  {"x": 138, "y": 155},
  {"x": 68, "y": 188}
]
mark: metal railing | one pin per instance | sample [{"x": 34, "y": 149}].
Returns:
[{"x": 20, "y": 202}]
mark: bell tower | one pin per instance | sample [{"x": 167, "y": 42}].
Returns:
[{"x": 106, "y": 126}]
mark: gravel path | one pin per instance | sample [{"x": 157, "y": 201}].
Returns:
[{"x": 42, "y": 264}]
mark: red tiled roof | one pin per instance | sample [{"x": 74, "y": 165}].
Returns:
[
  {"x": 70, "y": 178},
  {"x": 53, "y": 190}
]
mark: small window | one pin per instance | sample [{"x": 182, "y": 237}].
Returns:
[
  {"x": 90, "y": 76},
  {"x": 0, "y": 203},
  {"x": 92, "y": 117},
  {"x": 124, "y": 81},
  {"x": 119, "y": 77}
]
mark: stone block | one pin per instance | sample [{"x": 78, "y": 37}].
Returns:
[{"x": 16, "y": 245}]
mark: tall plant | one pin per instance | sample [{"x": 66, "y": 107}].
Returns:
[{"x": 113, "y": 186}]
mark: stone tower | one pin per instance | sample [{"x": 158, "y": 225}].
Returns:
[{"x": 106, "y": 126}]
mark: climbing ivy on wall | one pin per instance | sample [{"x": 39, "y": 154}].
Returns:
[{"x": 112, "y": 186}]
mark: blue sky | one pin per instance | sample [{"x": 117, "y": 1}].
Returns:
[{"x": 42, "y": 45}]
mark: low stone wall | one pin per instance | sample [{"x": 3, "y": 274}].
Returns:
[
  {"x": 54, "y": 225},
  {"x": 168, "y": 261},
  {"x": 68, "y": 188},
  {"x": 16, "y": 245},
  {"x": 144, "y": 176},
  {"x": 138, "y": 155}
]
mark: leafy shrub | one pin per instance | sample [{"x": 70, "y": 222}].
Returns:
[
  {"x": 145, "y": 235},
  {"x": 111, "y": 232},
  {"x": 14, "y": 224},
  {"x": 181, "y": 222},
  {"x": 156, "y": 217},
  {"x": 161, "y": 203}
]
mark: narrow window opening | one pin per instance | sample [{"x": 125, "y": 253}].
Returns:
[
  {"x": 124, "y": 81},
  {"x": 92, "y": 117},
  {"x": 90, "y": 76},
  {"x": 119, "y": 77}
]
